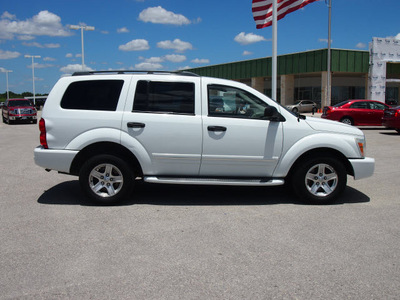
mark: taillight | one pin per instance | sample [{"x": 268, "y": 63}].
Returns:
[
  {"x": 43, "y": 139},
  {"x": 397, "y": 113}
]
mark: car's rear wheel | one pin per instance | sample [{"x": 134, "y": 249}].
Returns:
[
  {"x": 295, "y": 110},
  {"x": 319, "y": 180},
  {"x": 347, "y": 120},
  {"x": 106, "y": 179}
]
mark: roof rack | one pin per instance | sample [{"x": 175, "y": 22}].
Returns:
[{"x": 183, "y": 73}]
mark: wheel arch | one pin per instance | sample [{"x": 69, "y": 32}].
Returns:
[
  {"x": 329, "y": 152},
  {"x": 105, "y": 148}
]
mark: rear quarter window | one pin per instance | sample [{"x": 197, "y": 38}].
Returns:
[{"x": 92, "y": 95}]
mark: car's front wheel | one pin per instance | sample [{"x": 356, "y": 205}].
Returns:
[
  {"x": 106, "y": 179},
  {"x": 319, "y": 180}
]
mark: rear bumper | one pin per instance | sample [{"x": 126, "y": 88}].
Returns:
[
  {"x": 363, "y": 168},
  {"x": 58, "y": 160}
]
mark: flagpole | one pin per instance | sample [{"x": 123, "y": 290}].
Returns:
[{"x": 274, "y": 48}]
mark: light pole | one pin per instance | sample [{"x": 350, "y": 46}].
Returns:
[
  {"x": 82, "y": 27},
  {"x": 33, "y": 74},
  {"x": 7, "y": 71}
]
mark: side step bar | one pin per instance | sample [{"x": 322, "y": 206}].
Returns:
[{"x": 215, "y": 181}]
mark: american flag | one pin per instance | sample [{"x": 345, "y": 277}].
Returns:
[{"x": 262, "y": 10}]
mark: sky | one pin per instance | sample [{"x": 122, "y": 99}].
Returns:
[{"x": 168, "y": 34}]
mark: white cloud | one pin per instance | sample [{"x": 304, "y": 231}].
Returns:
[
  {"x": 201, "y": 61},
  {"x": 152, "y": 60},
  {"x": 397, "y": 36},
  {"x": 159, "y": 15},
  {"x": 123, "y": 30},
  {"x": 40, "y": 66},
  {"x": 324, "y": 40},
  {"x": 148, "y": 66},
  {"x": 176, "y": 58},
  {"x": 75, "y": 68},
  {"x": 184, "y": 68},
  {"x": 7, "y": 15},
  {"x": 49, "y": 59},
  {"x": 361, "y": 45},
  {"x": 135, "y": 45},
  {"x": 245, "y": 53},
  {"x": 69, "y": 55},
  {"x": 44, "y": 23},
  {"x": 249, "y": 38},
  {"x": 9, "y": 54},
  {"x": 35, "y": 44},
  {"x": 25, "y": 37},
  {"x": 176, "y": 44}
]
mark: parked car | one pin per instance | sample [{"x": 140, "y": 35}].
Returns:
[
  {"x": 392, "y": 103},
  {"x": 356, "y": 112},
  {"x": 302, "y": 106},
  {"x": 391, "y": 118},
  {"x": 19, "y": 110},
  {"x": 114, "y": 128}
]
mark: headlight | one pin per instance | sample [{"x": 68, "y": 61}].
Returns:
[{"x": 362, "y": 145}]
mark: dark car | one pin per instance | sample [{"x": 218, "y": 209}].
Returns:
[
  {"x": 19, "y": 110},
  {"x": 356, "y": 112},
  {"x": 391, "y": 118}
]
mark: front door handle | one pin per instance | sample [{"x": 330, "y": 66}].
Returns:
[
  {"x": 216, "y": 128},
  {"x": 135, "y": 125}
]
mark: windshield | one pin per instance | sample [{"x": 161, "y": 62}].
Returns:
[{"x": 19, "y": 103}]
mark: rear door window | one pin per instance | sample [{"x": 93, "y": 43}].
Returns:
[
  {"x": 164, "y": 97},
  {"x": 361, "y": 105}
]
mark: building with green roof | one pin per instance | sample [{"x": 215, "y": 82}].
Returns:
[{"x": 303, "y": 76}]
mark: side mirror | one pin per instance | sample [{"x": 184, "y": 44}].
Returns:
[{"x": 272, "y": 114}]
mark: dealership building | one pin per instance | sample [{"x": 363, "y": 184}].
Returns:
[{"x": 373, "y": 74}]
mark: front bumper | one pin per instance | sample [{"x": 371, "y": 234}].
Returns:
[
  {"x": 22, "y": 118},
  {"x": 58, "y": 160},
  {"x": 363, "y": 167}
]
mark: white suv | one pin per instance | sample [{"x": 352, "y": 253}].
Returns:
[{"x": 114, "y": 128}]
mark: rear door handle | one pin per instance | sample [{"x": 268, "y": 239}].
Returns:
[
  {"x": 216, "y": 128},
  {"x": 136, "y": 125}
]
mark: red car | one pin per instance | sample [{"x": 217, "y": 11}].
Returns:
[
  {"x": 391, "y": 118},
  {"x": 356, "y": 112},
  {"x": 19, "y": 110}
]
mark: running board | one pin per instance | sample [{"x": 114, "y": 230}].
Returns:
[{"x": 215, "y": 181}]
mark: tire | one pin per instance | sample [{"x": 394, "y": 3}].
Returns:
[
  {"x": 347, "y": 120},
  {"x": 319, "y": 180},
  {"x": 295, "y": 110},
  {"x": 106, "y": 179}
]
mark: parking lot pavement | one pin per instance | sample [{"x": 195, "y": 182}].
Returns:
[{"x": 174, "y": 242}]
